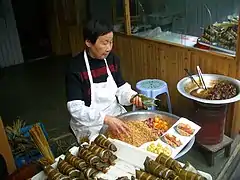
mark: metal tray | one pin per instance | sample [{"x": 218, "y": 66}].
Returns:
[
  {"x": 170, "y": 118},
  {"x": 214, "y": 47}
]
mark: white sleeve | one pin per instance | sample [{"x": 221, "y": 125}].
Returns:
[
  {"x": 124, "y": 94},
  {"x": 87, "y": 116}
]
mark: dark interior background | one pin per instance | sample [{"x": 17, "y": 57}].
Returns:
[{"x": 31, "y": 20}]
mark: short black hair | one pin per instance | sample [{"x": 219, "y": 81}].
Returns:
[{"x": 96, "y": 28}]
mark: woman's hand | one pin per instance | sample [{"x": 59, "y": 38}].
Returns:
[
  {"x": 137, "y": 101},
  {"x": 115, "y": 125}
]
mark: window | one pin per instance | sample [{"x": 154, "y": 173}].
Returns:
[{"x": 204, "y": 23}]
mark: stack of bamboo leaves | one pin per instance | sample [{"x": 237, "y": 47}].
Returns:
[{"x": 20, "y": 145}]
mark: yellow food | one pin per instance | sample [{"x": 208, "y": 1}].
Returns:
[
  {"x": 160, "y": 124},
  {"x": 139, "y": 133},
  {"x": 157, "y": 149}
]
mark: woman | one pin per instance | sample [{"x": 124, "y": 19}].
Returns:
[{"x": 96, "y": 90}]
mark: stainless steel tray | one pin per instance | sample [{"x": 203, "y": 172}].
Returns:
[
  {"x": 170, "y": 118},
  {"x": 214, "y": 47}
]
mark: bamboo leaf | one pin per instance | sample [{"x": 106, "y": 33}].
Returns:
[{"x": 147, "y": 102}]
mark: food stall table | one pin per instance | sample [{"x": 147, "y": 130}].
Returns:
[{"x": 125, "y": 166}]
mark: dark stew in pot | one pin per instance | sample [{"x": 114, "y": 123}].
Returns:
[{"x": 220, "y": 91}]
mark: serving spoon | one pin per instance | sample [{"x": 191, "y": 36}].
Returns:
[
  {"x": 201, "y": 77},
  {"x": 190, "y": 76}
]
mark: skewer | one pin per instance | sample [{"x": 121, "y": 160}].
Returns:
[
  {"x": 190, "y": 76},
  {"x": 201, "y": 77}
]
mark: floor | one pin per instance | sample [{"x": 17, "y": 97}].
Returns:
[
  {"x": 36, "y": 93},
  {"x": 236, "y": 173}
]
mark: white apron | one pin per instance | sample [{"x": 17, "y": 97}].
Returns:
[{"x": 103, "y": 98}]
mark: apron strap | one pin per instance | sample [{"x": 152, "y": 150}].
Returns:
[
  {"x": 89, "y": 70},
  {"x": 108, "y": 70}
]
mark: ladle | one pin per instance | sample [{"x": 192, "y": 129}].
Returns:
[
  {"x": 201, "y": 77},
  {"x": 190, "y": 76}
]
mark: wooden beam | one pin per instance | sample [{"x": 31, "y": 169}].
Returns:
[
  {"x": 238, "y": 51},
  {"x": 127, "y": 17},
  {"x": 132, "y": 19},
  {"x": 236, "y": 112}
]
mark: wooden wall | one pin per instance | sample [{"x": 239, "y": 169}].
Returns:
[
  {"x": 142, "y": 58},
  {"x": 236, "y": 113},
  {"x": 65, "y": 25}
]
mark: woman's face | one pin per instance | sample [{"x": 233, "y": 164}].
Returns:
[{"x": 102, "y": 47}]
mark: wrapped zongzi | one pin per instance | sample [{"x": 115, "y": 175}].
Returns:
[
  {"x": 103, "y": 142},
  {"x": 67, "y": 169},
  {"x": 88, "y": 156},
  {"x": 75, "y": 161},
  {"x": 92, "y": 159},
  {"x": 189, "y": 167},
  {"x": 141, "y": 175},
  {"x": 157, "y": 169},
  {"x": 90, "y": 173},
  {"x": 104, "y": 154},
  {"x": 168, "y": 162},
  {"x": 126, "y": 178},
  {"x": 112, "y": 158},
  {"x": 183, "y": 174},
  {"x": 54, "y": 174}
]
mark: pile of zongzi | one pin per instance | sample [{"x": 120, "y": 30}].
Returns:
[
  {"x": 90, "y": 160},
  {"x": 222, "y": 34},
  {"x": 165, "y": 167}
]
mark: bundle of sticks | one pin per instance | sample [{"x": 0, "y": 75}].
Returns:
[{"x": 41, "y": 142}]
